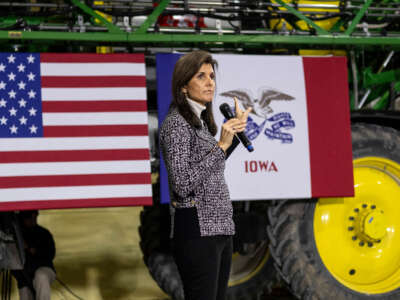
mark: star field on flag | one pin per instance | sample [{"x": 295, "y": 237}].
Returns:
[{"x": 20, "y": 96}]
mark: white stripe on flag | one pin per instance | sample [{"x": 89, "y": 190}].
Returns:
[
  {"x": 112, "y": 118},
  {"x": 92, "y": 69},
  {"x": 75, "y": 168},
  {"x": 93, "y": 94},
  {"x": 76, "y": 192},
  {"x": 79, "y": 143}
]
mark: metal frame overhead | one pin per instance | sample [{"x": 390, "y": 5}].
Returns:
[{"x": 355, "y": 23}]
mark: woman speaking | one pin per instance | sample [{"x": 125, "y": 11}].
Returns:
[{"x": 201, "y": 209}]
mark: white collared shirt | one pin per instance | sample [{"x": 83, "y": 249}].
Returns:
[{"x": 196, "y": 107}]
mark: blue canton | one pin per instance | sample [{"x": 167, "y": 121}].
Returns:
[{"x": 20, "y": 95}]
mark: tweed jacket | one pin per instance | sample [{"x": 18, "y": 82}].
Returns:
[{"x": 195, "y": 166}]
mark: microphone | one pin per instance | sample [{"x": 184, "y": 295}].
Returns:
[{"x": 228, "y": 114}]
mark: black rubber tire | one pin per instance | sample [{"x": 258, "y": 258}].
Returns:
[
  {"x": 261, "y": 282},
  {"x": 255, "y": 287},
  {"x": 291, "y": 231},
  {"x": 258, "y": 285},
  {"x": 155, "y": 246}
]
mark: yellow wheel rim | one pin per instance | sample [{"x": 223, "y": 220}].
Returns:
[
  {"x": 245, "y": 267},
  {"x": 358, "y": 238}
]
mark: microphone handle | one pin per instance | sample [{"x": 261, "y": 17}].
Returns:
[
  {"x": 228, "y": 114},
  {"x": 245, "y": 141}
]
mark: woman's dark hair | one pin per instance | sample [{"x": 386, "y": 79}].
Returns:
[{"x": 185, "y": 68}]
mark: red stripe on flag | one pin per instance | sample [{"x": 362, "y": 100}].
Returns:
[
  {"x": 74, "y": 180},
  {"x": 76, "y": 203},
  {"x": 96, "y": 130},
  {"x": 329, "y": 126},
  {"x": 92, "y": 81},
  {"x": 94, "y": 106},
  {"x": 91, "y": 58},
  {"x": 74, "y": 155}
]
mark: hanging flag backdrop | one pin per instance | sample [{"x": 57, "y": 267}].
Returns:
[
  {"x": 73, "y": 131},
  {"x": 299, "y": 126}
]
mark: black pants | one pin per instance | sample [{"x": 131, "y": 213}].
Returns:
[{"x": 204, "y": 264}]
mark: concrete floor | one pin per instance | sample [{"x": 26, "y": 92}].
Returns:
[{"x": 98, "y": 256}]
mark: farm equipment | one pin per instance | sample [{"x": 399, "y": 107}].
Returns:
[{"x": 323, "y": 248}]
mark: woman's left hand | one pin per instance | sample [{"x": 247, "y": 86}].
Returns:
[{"x": 240, "y": 114}]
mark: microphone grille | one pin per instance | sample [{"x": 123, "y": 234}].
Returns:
[{"x": 226, "y": 111}]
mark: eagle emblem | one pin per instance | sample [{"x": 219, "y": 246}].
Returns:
[{"x": 261, "y": 105}]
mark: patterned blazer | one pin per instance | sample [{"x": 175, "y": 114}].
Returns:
[{"x": 195, "y": 166}]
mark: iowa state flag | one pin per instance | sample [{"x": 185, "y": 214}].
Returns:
[
  {"x": 299, "y": 126},
  {"x": 73, "y": 131}
]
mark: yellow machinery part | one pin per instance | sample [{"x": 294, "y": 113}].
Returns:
[
  {"x": 316, "y": 52},
  {"x": 325, "y": 24},
  {"x": 245, "y": 267},
  {"x": 358, "y": 238},
  {"x": 278, "y": 24},
  {"x": 102, "y": 49}
]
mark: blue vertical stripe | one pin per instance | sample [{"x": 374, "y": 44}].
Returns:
[{"x": 165, "y": 63}]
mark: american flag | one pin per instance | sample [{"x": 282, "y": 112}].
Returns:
[{"x": 73, "y": 131}]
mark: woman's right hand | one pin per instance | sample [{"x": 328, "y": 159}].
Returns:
[{"x": 228, "y": 130}]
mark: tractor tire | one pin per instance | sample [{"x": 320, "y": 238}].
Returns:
[
  {"x": 156, "y": 248},
  {"x": 346, "y": 248},
  {"x": 252, "y": 273},
  {"x": 258, "y": 270}
]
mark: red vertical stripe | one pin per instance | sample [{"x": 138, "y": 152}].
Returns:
[{"x": 329, "y": 126}]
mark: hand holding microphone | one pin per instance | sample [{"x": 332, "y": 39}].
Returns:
[
  {"x": 234, "y": 125},
  {"x": 228, "y": 131}
]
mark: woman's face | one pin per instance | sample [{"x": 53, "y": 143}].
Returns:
[{"x": 202, "y": 85}]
